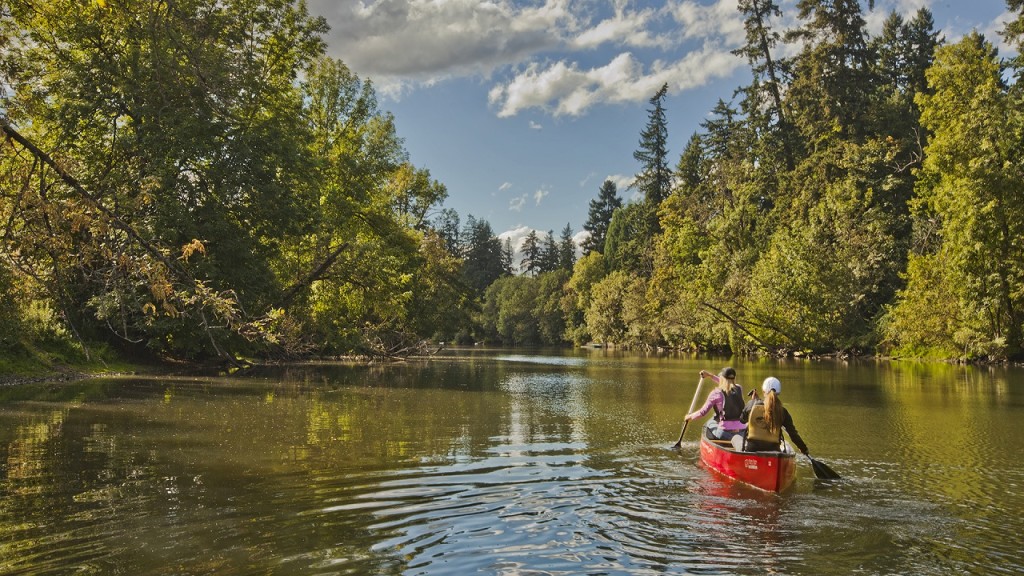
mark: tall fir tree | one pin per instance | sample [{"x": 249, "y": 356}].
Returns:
[
  {"x": 566, "y": 249},
  {"x": 447, "y": 226},
  {"x": 507, "y": 255},
  {"x": 531, "y": 262},
  {"x": 482, "y": 254},
  {"x": 831, "y": 86},
  {"x": 600, "y": 216},
  {"x": 655, "y": 178},
  {"x": 764, "y": 94},
  {"x": 549, "y": 253}
]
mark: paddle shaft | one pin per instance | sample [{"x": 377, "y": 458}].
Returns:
[{"x": 693, "y": 404}]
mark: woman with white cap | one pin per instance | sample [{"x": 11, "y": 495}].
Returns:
[{"x": 766, "y": 419}]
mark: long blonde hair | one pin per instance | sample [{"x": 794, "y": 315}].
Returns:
[
  {"x": 724, "y": 383},
  {"x": 773, "y": 412}
]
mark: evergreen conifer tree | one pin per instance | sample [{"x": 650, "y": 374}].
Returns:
[{"x": 600, "y": 216}]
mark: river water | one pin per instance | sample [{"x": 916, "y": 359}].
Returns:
[{"x": 501, "y": 462}]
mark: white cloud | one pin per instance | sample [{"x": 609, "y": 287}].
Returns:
[
  {"x": 399, "y": 41},
  {"x": 580, "y": 237},
  {"x": 993, "y": 32},
  {"x": 516, "y": 204},
  {"x": 516, "y": 236},
  {"x": 400, "y": 44},
  {"x": 504, "y": 186},
  {"x": 535, "y": 126},
  {"x": 563, "y": 89},
  {"x": 719, "y": 20},
  {"x": 625, "y": 28},
  {"x": 622, "y": 182},
  {"x": 539, "y": 195}
]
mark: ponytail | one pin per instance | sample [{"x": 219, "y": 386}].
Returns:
[{"x": 773, "y": 412}]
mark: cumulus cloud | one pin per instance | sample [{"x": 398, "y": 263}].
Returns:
[
  {"x": 564, "y": 89},
  {"x": 539, "y": 195},
  {"x": 621, "y": 181},
  {"x": 993, "y": 32},
  {"x": 517, "y": 236},
  {"x": 535, "y": 126},
  {"x": 721, "y": 19},
  {"x": 401, "y": 41},
  {"x": 579, "y": 238},
  {"x": 624, "y": 28},
  {"x": 538, "y": 55}
]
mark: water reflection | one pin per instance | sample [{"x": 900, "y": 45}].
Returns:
[{"x": 504, "y": 464}]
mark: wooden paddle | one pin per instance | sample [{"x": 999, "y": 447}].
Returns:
[
  {"x": 821, "y": 470},
  {"x": 693, "y": 404}
]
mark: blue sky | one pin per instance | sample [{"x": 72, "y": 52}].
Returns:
[{"x": 523, "y": 109}]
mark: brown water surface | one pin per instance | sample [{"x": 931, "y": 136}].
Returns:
[{"x": 503, "y": 462}]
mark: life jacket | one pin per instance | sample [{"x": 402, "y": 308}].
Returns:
[
  {"x": 733, "y": 405},
  {"x": 757, "y": 428}
]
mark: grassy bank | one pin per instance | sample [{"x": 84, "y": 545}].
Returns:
[{"x": 60, "y": 361}]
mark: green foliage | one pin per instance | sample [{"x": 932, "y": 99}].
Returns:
[
  {"x": 617, "y": 313},
  {"x": 174, "y": 184},
  {"x": 604, "y": 313},
  {"x": 199, "y": 178},
  {"x": 440, "y": 302},
  {"x": 1014, "y": 30},
  {"x": 628, "y": 246},
  {"x": 589, "y": 270},
  {"x": 970, "y": 207},
  {"x": 11, "y": 324},
  {"x": 509, "y": 310},
  {"x": 829, "y": 93},
  {"x": 551, "y": 321},
  {"x": 936, "y": 316},
  {"x": 483, "y": 255},
  {"x": 526, "y": 310},
  {"x": 681, "y": 282}
]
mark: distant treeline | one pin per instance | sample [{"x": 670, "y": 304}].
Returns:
[{"x": 197, "y": 179}]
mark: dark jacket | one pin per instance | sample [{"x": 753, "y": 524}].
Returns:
[
  {"x": 733, "y": 405},
  {"x": 787, "y": 424}
]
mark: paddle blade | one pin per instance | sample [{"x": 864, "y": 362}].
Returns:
[{"x": 822, "y": 471}]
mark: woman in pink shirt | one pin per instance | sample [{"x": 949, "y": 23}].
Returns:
[{"x": 727, "y": 402}]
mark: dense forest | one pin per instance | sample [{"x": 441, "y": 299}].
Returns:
[{"x": 198, "y": 180}]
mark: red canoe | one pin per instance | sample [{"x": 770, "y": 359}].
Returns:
[{"x": 771, "y": 471}]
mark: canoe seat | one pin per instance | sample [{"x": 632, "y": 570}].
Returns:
[{"x": 737, "y": 442}]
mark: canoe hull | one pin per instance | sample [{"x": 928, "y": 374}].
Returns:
[{"x": 769, "y": 471}]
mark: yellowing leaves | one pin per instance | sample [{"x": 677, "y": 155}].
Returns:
[{"x": 191, "y": 248}]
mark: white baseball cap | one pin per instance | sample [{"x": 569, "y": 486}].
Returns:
[{"x": 772, "y": 383}]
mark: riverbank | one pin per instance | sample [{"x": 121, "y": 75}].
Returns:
[
  {"x": 59, "y": 363},
  {"x": 68, "y": 374}
]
